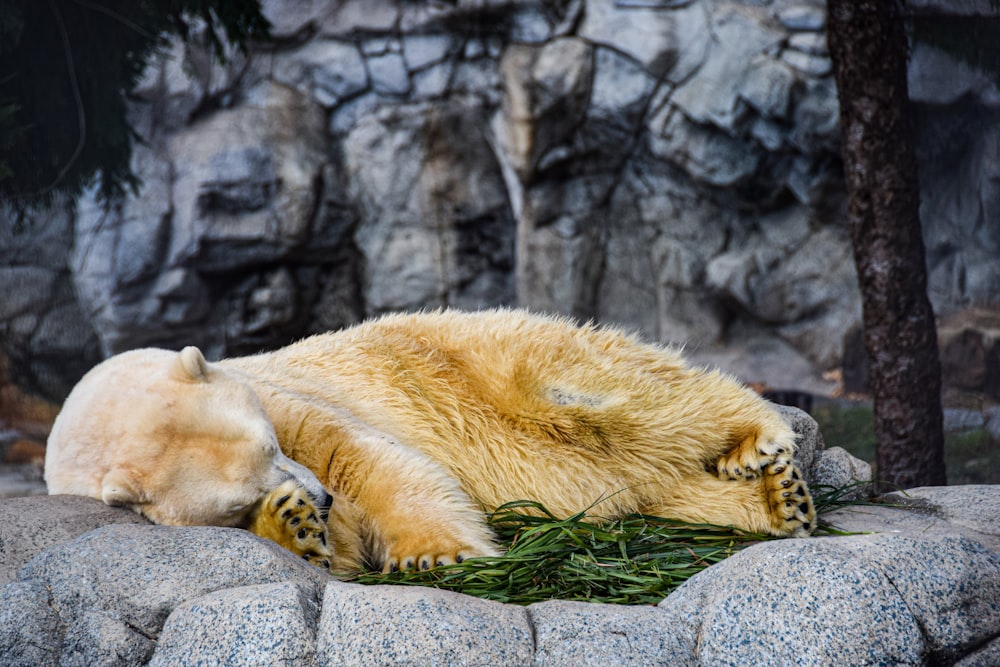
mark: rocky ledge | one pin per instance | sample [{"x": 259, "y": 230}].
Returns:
[
  {"x": 916, "y": 583},
  {"x": 87, "y": 584}
]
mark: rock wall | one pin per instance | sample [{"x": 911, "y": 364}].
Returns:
[{"x": 666, "y": 164}]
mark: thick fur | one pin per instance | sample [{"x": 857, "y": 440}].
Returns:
[{"x": 418, "y": 423}]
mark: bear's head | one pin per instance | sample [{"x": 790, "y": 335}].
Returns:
[{"x": 174, "y": 438}]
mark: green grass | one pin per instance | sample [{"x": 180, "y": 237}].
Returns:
[{"x": 635, "y": 560}]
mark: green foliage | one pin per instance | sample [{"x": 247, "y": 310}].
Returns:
[
  {"x": 634, "y": 560},
  {"x": 66, "y": 69}
]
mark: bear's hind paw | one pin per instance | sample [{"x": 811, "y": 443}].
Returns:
[
  {"x": 792, "y": 511},
  {"x": 289, "y": 517}
]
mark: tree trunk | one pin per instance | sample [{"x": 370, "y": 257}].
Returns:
[{"x": 868, "y": 46}]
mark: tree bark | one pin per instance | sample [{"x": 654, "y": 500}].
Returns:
[{"x": 868, "y": 46}]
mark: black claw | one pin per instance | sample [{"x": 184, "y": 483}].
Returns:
[
  {"x": 301, "y": 534},
  {"x": 300, "y": 502},
  {"x": 294, "y": 522},
  {"x": 409, "y": 564},
  {"x": 785, "y": 483},
  {"x": 425, "y": 565},
  {"x": 284, "y": 499},
  {"x": 459, "y": 558},
  {"x": 804, "y": 508},
  {"x": 322, "y": 537},
  {"x": 439, "y": 563},
  {"x": 286, "y": 514},
  {"x": 795, "y": 474},
  {"x": 312, "y": 517},
  {"x": 393, "y": 568}
]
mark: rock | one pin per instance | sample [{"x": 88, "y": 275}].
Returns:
[
  {"x": 330, "y": 70},
  {"x": 421, "y": 250},
  {"x": 836, "y": 467},
  {"x": 854, "y": 600},
  {"x": 922, "y": 588},
  {"x": 739, "y": 40},
  {"x": 265, "y": 624},
  {"x": 809, "y": 443},
  {"x": 108, "y": 570},
  {"x": 102, "y": 638},
  {"x": 46, "y": 340},
  {"x": 401, "y": 625},
  {"x": 671, "y": 44},
  {"x": 803, "y": 17},
  {"x": 968, "y": 510},
  {"x": 28, "y": 625},
  {"x": 578, "y": 633},
  {"x": 28, "y": 526},
  {"x": 547, "y": 89}
]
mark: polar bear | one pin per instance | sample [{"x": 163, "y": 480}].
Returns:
[{"x": 419, "y": 423}]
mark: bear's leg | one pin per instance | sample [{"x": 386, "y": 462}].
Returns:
[
  {"x": 288, "y": 516},
  {"x": 402, "y": 510},
  {"x": 775, "y": 503}
]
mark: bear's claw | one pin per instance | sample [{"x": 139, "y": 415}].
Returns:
[
  {"x": 394, "y": 563},
  {"x": 289, "y": 517}
]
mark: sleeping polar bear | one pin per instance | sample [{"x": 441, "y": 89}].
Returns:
[{"x": 417, "y": 424}]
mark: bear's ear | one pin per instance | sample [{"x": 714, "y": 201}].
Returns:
[
  {"x": 119, "y": 487},
  {"x": 190, "y": 365}
]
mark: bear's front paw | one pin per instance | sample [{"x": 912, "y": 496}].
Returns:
[
  {"x": 792, "y": 511},
  {"x": 434, "y": 547},
  {"x": 429, "y": 556},
  {"x": 288, "y": 516},
  {"x": 753, "y": 455}
]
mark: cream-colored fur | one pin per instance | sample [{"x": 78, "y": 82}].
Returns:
[{"x": 418, "y": 423}]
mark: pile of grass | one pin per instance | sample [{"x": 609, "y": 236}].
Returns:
[{"x": 634, "y": 560}]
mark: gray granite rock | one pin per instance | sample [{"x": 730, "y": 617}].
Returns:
[
  {"x": 922, "y": 588},
  {"x": 384, "y": 625},
  {"x": 29, "y": 626},
  {"x": 265, "y": 624},
  {"x": 853, "y": 600},
  {"x": 809, "y": 442},
  {"x": 104, "y": 638},
  {"x": 836, "y": 467},
  {"x": 141, "y": 573},
  {"x": 575, "y": 634},
  {"x": 28, "y": 526}
]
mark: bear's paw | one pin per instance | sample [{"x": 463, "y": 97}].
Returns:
[
  {"x": 792, "y": 511},
  {"x": 754, "y": 454},
  {"x": 434, "y": 546},
  {"x": 288, "y": 516}
]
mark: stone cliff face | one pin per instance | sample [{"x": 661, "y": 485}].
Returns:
[{"x": 669, "y": 165}]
